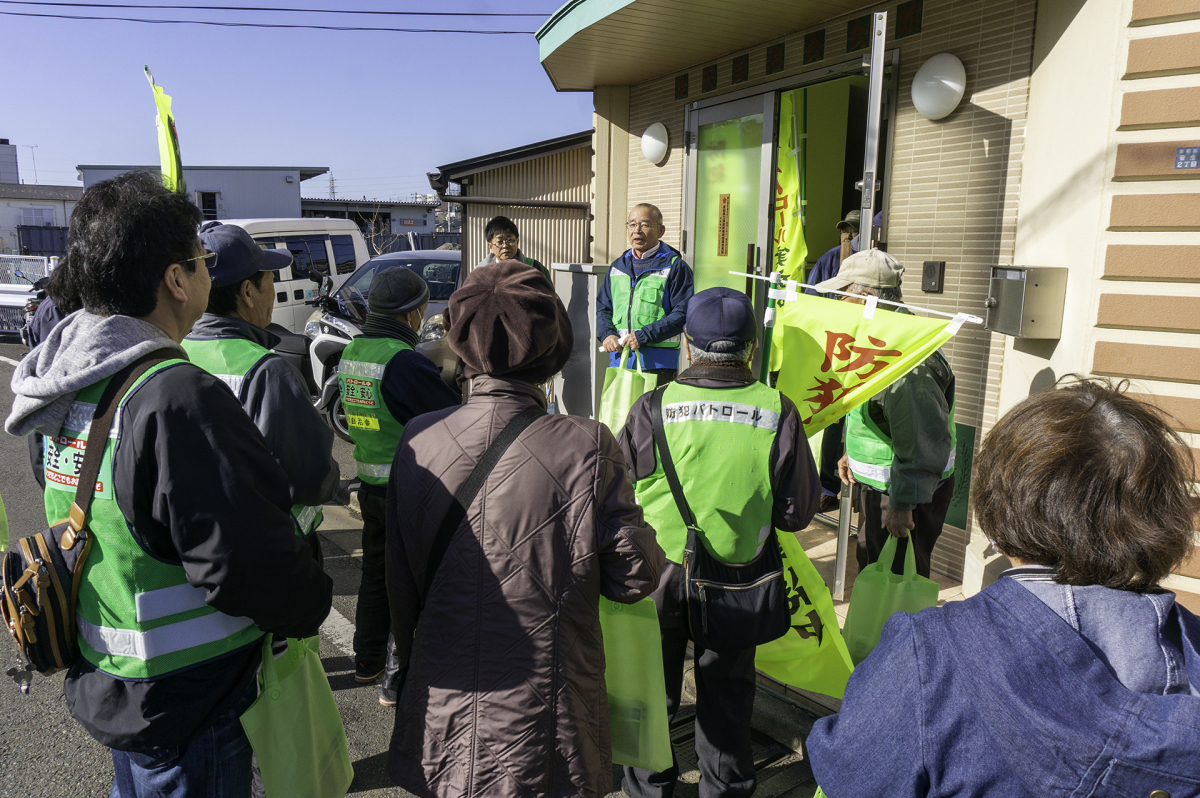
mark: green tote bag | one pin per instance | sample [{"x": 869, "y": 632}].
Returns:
[
  {"x": 879, "y": 594},
  {"x": 637, "y": 690},
  {"x": 294, "y": 726},
  {"x": 622, "y": 387}
]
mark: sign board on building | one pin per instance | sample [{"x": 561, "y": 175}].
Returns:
[
  {"x": 409, "y": 222},
  {"x": 1187, "y": 157}
]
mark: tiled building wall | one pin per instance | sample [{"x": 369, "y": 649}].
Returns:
[{"x": 953, "y": 184}]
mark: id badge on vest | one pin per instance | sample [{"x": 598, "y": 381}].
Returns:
[
  {"x": 359, "y": 393},
  {"x": 63, "y": 454}
]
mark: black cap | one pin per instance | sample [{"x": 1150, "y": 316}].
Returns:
[
  {"x": 719, "y": 314},
  {"x": 238, "y": 257},
  {"x": 396, "y": 291}
]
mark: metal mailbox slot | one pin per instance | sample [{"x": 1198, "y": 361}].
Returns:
[{"x": 1026, "y": 301}]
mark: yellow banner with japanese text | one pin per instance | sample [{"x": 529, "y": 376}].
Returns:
[
  {"x": 831, "y": 357},
  {"x": 168, "y": 138},
  {"x": 789, "y": 248}
]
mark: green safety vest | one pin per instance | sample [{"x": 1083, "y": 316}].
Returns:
[
  {"x": 231, "y": 360},
  {"x": 374, "y": 430},
  {"x": 138, "y": 617},
  {"x": 870, "y": 451},
  {"x": 720, "y": 442},
  {"x": 634, "y": 309}
]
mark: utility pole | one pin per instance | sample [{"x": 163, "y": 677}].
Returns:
[
  {"x": 332, "y": 189},
  {"x": 32, "y": 155}
]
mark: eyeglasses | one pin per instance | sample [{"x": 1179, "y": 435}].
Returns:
[
  {"x": 210, "y": 264},
  {"x": 641, "y": 226},
  {"x": 501, "y": 243}
]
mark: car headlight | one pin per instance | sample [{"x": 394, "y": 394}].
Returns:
[
  {"x": 312, "y": 327},
  {"x": 433, "y": 329}
]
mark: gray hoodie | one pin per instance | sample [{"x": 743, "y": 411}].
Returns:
[{"x": 80, "y": 351}]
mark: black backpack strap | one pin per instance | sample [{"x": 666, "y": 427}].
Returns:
[
  {"x": 470, "y": 489},
  {"x": 664, "y": 457},
  {"x": 102, "y": 421}
]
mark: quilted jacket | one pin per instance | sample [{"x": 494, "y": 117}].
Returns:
[{"x": 504, "y": 693}]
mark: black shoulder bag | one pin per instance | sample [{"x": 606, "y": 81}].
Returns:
[
  {"x": 40, "y": 574},
  {"x": 730, "y": 606},
  {"x": 470, "y": 489}
]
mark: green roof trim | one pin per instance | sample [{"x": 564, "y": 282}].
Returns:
[{"x": 573, "y": 17}]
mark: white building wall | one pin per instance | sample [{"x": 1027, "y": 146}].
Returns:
[
  {"x": 13, "y": 210},
  {"x": 249, "y": 193}
]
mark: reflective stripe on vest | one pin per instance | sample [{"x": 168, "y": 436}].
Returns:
[
  {"x": 241, "y": 356},
  {"x": 869, "y": 451},
  {"x": 163, "y": 640},
  {"x": 374, "y": 430},
  {"x": 724, "y": 469},
  {"x": 641, "y": 305},
  {"x": 137, "y": 616}
]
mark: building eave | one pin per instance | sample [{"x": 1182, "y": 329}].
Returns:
[{"x": 589, "y": 43}]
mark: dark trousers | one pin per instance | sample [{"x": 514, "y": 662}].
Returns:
[
  {"x": 725, "y": 687},
  {"x": 372, "y": 617},
  {"x": 928, "y": 518},
  {"x": 832, "y": 449}
]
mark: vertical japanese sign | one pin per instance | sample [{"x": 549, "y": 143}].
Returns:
[
  {"x": 790, "y": 250},
  {"x": 832, "y": 357},
  {"x": 168, "y": 139}
]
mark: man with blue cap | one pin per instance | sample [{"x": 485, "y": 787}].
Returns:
[
  {"x": 744, "y": 465},
  {"x": 231, "y": 342}
]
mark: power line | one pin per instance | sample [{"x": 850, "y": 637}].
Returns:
[
  {"x": 266, "y": 24},
  {"x": 265, "y": 8}
]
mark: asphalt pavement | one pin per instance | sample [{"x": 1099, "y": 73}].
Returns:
[{"x": 44, "y": 753}]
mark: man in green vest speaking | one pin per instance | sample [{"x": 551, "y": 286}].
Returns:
[
  {"x": 231, "y": 342},
  {"x": 900, "y": 442},
  {"x": 643, "y": 300},
  {"x": 384, "y": 382},
  {"x": 194, "y": 552},
  {"x": 743, "y": 462}
]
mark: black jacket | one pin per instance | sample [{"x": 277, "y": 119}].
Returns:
[
  {"x": 198, "y": 486},
  {"x": 274, "y": 396}
]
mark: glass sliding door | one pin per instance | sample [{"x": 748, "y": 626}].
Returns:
[{"x": 728, "y": 199}]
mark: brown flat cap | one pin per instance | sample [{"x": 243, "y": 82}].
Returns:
[{"x": 507, "y": 321}]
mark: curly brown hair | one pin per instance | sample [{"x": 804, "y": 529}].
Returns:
[{"x": 1090, "y": 481}]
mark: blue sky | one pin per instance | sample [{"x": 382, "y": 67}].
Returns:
[{"x": 380, "y": 109}]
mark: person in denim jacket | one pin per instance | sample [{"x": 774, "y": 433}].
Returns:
[{"x": 1074, "y": 673}]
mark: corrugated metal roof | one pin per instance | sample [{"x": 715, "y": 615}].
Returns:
[
  {"x": 589, "y": 43},
  {"x": 451, "y": 173},
  {"x": 39, "y": 192},
  {"x": 380, "y": 202}
]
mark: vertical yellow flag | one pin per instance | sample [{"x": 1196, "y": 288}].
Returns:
[
  {"x": 168, "y": 139},
  {"x": 790, "y": 250}
]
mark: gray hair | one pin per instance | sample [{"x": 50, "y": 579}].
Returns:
[
  {"x": 726, "y": 352},
  {"x": 886, "y": 294},
  {"x": 658, "y": 217}
]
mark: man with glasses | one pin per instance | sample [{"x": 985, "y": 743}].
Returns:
[
  {"x": 231, "y": 342},
  {"x": 643, "y": 300},
  {"x": 194, "y": 554},
  {"x": 504, "y": 243}
]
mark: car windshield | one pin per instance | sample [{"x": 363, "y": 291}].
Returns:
[{"x": 440, "y": 275}]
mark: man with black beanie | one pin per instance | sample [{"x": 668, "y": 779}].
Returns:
[{"x": 384, "y": 382}]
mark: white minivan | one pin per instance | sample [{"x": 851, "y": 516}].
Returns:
[{"x": 328, "y": 246}]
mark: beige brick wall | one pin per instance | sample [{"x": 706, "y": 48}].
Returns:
[{"x": 953, "y": 184}]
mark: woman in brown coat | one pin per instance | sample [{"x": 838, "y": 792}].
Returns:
[{"x": 504, "y": 693}]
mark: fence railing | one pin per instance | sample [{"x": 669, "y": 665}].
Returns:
[{"x": 29, "y": 265}]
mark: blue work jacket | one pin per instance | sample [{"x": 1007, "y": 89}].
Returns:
[{"x": 680, "y": 287}]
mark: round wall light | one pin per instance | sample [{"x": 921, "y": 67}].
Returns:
[
  {"x": 938, "y": 86},
  {"x": 654, "y": 143}
]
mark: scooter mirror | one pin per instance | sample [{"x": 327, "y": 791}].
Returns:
[
  {"x": 316, "y": 277},
  {"x": 19, "y": 273}
]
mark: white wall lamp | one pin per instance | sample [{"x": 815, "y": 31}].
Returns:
[
  {"x": 938, "y": 86},
  {"x": 654, "y": 143}
]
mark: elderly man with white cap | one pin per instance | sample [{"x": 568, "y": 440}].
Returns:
[{"x": 900, "y": 442}]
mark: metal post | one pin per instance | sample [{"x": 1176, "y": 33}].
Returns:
[
  {"x": 843, "y": 545},
  {"x": 874, "y": 120}
]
